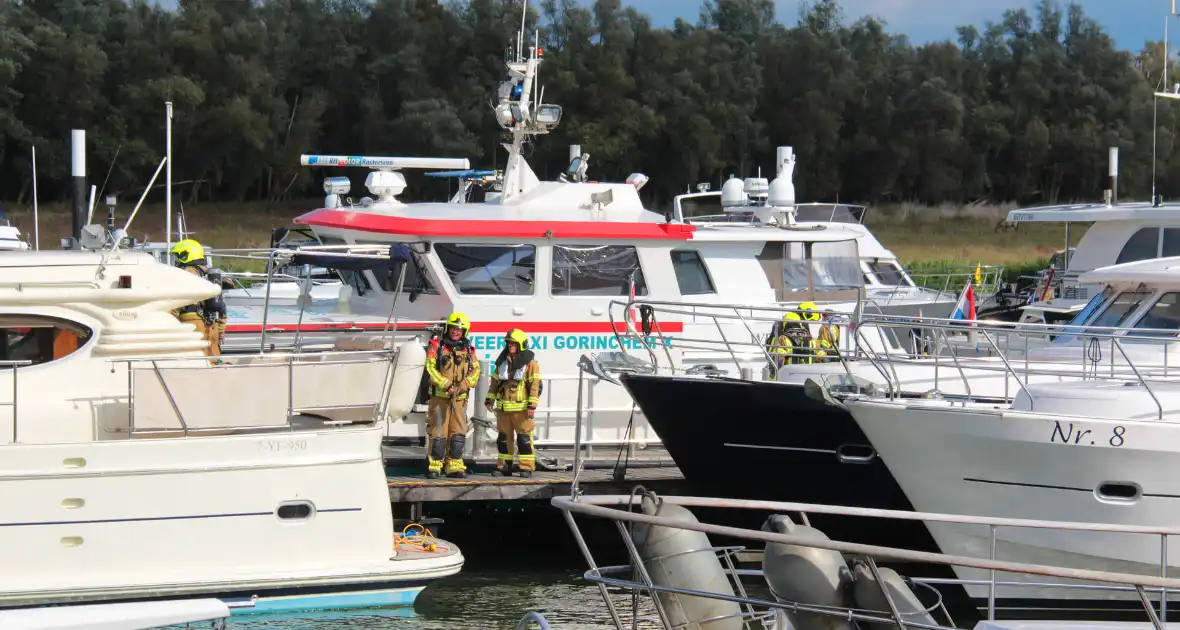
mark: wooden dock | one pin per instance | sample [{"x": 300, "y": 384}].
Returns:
[{"x": 482, "y": 486}]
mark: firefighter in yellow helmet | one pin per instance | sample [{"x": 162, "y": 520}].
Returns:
[
  {"x": 829, "y": 335},
  {"x": 794, "y": 345},
  {"x": 209, "y": 316},
  {"x": 453, "y": 370},
  {"x": 513, "y": 395}
]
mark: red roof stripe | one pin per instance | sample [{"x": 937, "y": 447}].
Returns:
[
  {"x": 447, "y": 228},
  {"x": 568, "y": 328}
]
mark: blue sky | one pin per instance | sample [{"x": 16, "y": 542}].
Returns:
[{"x": 1130, "y": 22}]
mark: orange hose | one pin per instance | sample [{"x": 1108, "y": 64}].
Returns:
[{"x": 421, "y": 542}]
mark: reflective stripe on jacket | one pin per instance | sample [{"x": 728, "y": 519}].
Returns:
[
  {"x": 816, "y": 351},
  {"x": 515, "y": 390}
]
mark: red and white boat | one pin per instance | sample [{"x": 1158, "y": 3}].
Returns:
[{"x": 549, "y": 257}]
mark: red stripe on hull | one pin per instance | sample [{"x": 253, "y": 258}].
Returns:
[
  {"x": 451, "y": 228},
  {"x": 568, "y": 328}
]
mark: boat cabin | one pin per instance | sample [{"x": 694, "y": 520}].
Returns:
[{"x": 1122, "y": 233}]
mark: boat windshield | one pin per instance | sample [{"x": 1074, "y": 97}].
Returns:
[
  {"x": 889, "y": 273},
  {"x": 1115, "y": 314},
  {"x": 829, "y": 213},
  {"x": 798, "y": 267},
  {"x": 1075, "y": 325},
  {"x": 1162, "y": 319}
]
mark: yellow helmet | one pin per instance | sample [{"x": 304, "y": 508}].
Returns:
[
  {"x": 461, "y": 321},
  {"x": 809, "y": 314},
  {"x": 187, "y": 251},
  {"x": 517, "y": 335},
  {"x": 792, "y": 317}
]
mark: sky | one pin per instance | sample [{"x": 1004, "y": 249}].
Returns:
[{"x": 1129, "y": 22}]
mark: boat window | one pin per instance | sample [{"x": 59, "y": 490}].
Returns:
[
  {"x": 1126, "y": 303},
  {"x": 596, "y": 270},
  {"x": 792, "y": 266},
  {"x": 478, "y": 269},
  {"x": 888, "y": 273},
  {"x": 39, "y": 339},
  {"x": 1171, "y": 245},
  {"x": 1163, "y": 316},
  {"x": 1143, "y": 245},
  {"x": 417, "y": 280},
  {"x": 355, "y": 279},
  {"x": 836, "y": 266},
  {"x": 691, "y": 275}
]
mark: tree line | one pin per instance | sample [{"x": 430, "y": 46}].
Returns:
[{"x": 1020, "y": 109}]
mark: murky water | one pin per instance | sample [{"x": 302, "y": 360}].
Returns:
[{"x": 476, "y": 599}]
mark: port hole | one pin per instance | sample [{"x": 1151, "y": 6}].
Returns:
[
  {"x": 855, "y": 453},
  {"x": 295, "y": 511},
  {"x": 1119, "y": 491}
]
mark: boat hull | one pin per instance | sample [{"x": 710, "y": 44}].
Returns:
[
  {"x": 998, "y": 462},
  {"x": 296, "y": 520},
  {"x": 770, "y": 441}
]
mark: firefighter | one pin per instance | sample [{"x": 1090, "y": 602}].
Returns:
[
  {"x": 828, "y": 335},
  {"x": 513, "y": 395},
  {"x": 209, "y": 316},
  {"x": 794, "y": 345},
  {"x": 453, "y": 370}
]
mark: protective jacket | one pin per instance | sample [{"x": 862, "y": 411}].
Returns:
[
  {"x": 516, "y": 382},
  {"x": 451, "y": 363}
]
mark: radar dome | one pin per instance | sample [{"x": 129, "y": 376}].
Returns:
[
  {"x": 385, "y": 184},
  {"x": 733, "y": 193},
  {"x": 782, "y": 192}
]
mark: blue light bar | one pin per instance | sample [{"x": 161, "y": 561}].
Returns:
[{"x": 467, "y": 173}]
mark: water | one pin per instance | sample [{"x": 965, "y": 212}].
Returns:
[{"x": 483, "y": 599}]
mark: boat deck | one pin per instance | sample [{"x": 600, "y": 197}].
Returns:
[{"x": 407, "y": 482}]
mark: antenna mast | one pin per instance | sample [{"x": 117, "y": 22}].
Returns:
[
  {"x": 167, "y": 176},
  {"x": 522, "y": 112}
]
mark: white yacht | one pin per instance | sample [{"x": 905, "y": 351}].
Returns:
[
  {"x": 1117, "y": 233},
  {"x": 1093, "y": 440},
  {"x": 135, "y": 467}
]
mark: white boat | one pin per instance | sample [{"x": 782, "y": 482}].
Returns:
[
  {"x": 549, "y": 257},
  {"x": 10, "y": 237},
  {"x": 1118, "y": 233},
  {"x": 135, "y": 467},
  {"x": 121, "y": 616},
  {"x": 1093, "y": 439}
]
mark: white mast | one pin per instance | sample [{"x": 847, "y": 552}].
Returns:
[{"x": 516, "y": 113}]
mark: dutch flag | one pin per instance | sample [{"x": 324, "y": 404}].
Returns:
[{"x": 965, "y": 308}]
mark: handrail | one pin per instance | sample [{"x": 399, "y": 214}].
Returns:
[
  {"x": 597, "y": 506},
  {"x": 15, "y": 366}
]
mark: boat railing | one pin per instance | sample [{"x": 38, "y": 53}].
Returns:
[
  {"x": 747, "y": 344},
  {"x": 177, "y": 393},
  {"x": 1017, "y": 352},
  {"x": 807, "y": 212},
  {"x": 637, "y": 577},
  {"x": 946, "y": 282}
]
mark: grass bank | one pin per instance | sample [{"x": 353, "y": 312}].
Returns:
[{"x": 918, "y": 235}]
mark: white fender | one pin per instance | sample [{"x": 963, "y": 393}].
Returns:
[
  {"x": 807, "y": 575},
  {"x": 407, "y": 377},
  {"x": 682, "y": 558}
]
